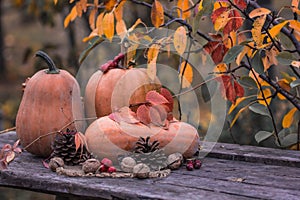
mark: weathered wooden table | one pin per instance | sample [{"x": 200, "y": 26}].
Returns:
[{"x": 228, "y": 172}]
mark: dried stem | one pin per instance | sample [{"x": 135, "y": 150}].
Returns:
[
  {"x": 59, "y": 131},
  {"x": 8, "y": 130}
]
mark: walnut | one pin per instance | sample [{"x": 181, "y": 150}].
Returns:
[
  {"x": 127, "y": 164},
  {"x": 141, "y": 171},
  {"x": 55, "y": 163},
  {"x": 175, "y": 160},
  {"x": 91, "y": 166}
]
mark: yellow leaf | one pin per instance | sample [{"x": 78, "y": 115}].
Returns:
[
  {"x": 259, "y": 12},
  {"x": 242, "y": 54},
  {"x": 294, "y": 24},
  {"x": 152, "y": 55},
  {"x": 267, "y": 93},
  {"x": 270, "y": 58},
  {"x": 220, "y": 4},
  {"x": 92, "y": 18},
  {"x": 230, "y": 40},
  {"x": 237, "y": 115},
  {"x": 84, "y": 5},
  {"x": 99, "y": 23},
  {"x": 93, "y": 34},
  {"x": 157, "y": 14},
  {"x": 137, "y": 22},
  {"x": 71, "y": 16},
  {"x": 257, "y": 28},
  {"x": 119, "y": 11},
  {"x": 108, "y": 25},
  {"x": 55, "y": 2},
  {"x": 222, "y": 20},
  {"x": 238, "y": 101},
  {"x": 79, "y": 8},
  {"x": 187, "y": 74},
  {"x": 275, "y": 30},
  {"x": 222, "y": 67},
  {"x": 121, "y": 29},
  {"x": 183, "y": 11},
  {"x": 180, "y": 40},
  {"x": 110, "y": 4},
  {"x": 295, "y": 4},
  {"x": 288, "y": 118},
  {"x": 200, "y": 6}
]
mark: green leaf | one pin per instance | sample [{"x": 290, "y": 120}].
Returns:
[
  {"x": 259, "y": 109},
  {"x": 295, "y": 83},
  {"x": 208, "y": 89},
  {"x": 289, "y": 140},
  {"x": 262, "y": 135},
  {"x": 91, "y": 45},
  {"x": 257, "y": 63},
  {"x": 233, "y": 52},
  {"x": 285, "y": 58},
  {"x": 248, "y": 82}
]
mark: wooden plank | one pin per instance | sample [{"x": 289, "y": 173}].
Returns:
[{"x": 217, "y": 179}]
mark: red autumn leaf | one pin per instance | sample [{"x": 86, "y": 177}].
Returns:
[
  {"x": 235, "y": 22},
  {"x": 143, "y": 114},
  {"x": 217, "y": 13},
  {"x": 239, "y": 90},
  {"x": 155, "y": 98},
  {"x": 217, "y": 50},
  {"x": 124, "y": 115},
  {"x": 80, "y": 141},
  {"x": 241, "y": 4},
  {"x": 46, "y": 165},
  {"x": 230, "y": 88},
  {"x": 166, "y": 93},
  {"x": 158, "y": 115}
]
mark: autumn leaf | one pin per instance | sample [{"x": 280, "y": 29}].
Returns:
[
  {"x": 183, "y": 11},
  {"x": 295, "y": 64},
  {"x": 267, "y": 93},
  {"x": 155, "y": 98},
  {"x": 92, "y": 18},
  {"x": 124, "y": 114},
  {"x": 288, "y": 118},
  {"x": 180, "y": 40},
  {"x": 55, "y": 2},
  {"x": 230, "y": 89},
  {"x": 238, "y": 101},
  {"x": 186, "y": 71},
  {"x": 143, "y": 114},
  {"x": 217, "y": 50},
  {"x": 222, "y": 19},
  {"x": 158, "y": 115},
  {"x": 259, "y": 12},
  {"x": 152, "y": 58},
  {"x": 294, "y": 24},
  {"x": 70, "y": 17},
  {"x": 241, "y": 4},
  {"x": 235, "y": 21},
  {"x": 121, "y": 29},
  {"x": 80, "y": 141},
  {"x": 108, "y": 25},
  {"x": 257, "y": 30},
  {"x": 275, "y": 30},
  {"x": 99, "y": 24},
  {"x": 157, "y": 14},
  {"x": 237, "y": 115},
  {"x": 110, "y": 4},
  {"x": 165, "y": 93},
  {"x": 242, "y": 55},
  {"x": 119, "y": 11},
  {"x": 10, "y": 156}
]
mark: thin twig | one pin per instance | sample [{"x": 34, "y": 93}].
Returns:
[
  {"x": 60, "y": 130},
  {"x": 8, "y": 130}
]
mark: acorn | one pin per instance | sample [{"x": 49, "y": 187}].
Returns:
[
  {"x": 56, "y": 162},
  {"x": 91, "y": 166},
  {"x": 141, "y": 171},
  {"x": 127, "y": 164},
  {"x": 175, "y": 161}
]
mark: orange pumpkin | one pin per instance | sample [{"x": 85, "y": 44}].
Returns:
[
  {"x": 50, "y": 101},
  {"x": 107, "y": 138},
  {"x": 116, "y": 88}
]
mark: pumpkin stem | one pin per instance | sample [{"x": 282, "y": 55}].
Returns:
[{"x": 52, "y": 68}]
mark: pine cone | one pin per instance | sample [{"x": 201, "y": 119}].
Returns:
[
  {"x": 145, "y": 146},
  {"x": 156, "y": 160},
  {"x": 65, "y": 148}
]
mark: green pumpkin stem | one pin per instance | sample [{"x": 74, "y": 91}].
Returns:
[{"x": 52, "y": 68}]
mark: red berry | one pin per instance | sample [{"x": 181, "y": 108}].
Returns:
[
  {"x": 106, "y": 162},
  {"x": 190, "y": 167},
  {"x": 111, "y": 169},
  {"x": 190, "y": 162},
  {"x": 197, "y": 164},
  {"x": 103, "y": 168}
]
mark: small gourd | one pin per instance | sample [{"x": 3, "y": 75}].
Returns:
[
  {"x": 51, "y": 100},
  {"x": 113, "y": 87}
]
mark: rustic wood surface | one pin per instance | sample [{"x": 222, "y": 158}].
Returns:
[{"x": 228, "y": 172}]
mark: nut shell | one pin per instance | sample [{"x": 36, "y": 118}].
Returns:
[
  {"x": 127, "y": 164},
  {"x": 141, "y": 170},
  {"x": 55, "y": 163},
  {"x": 175, "y": 161},
  {"x": 91, "y": 166}
]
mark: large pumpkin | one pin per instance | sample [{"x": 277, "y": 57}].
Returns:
[
  {"x": 50, "y": 101},
  {"x": 115, "y": 88},
  {"x": 107, "y": 138}
]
